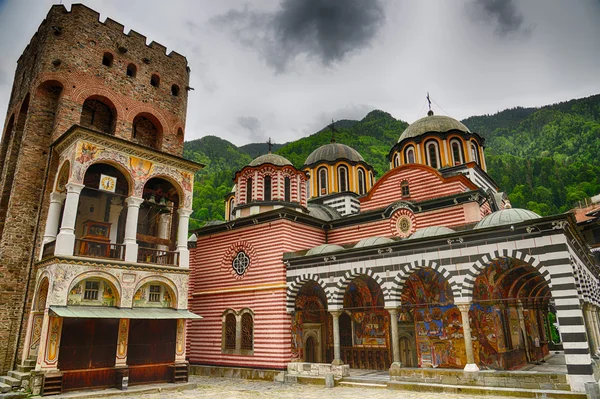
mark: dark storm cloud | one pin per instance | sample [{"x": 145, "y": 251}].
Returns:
[
  {"x": 328, "y": 30},
  {"x": 503, "y": 14},
  {"x": 252, "y": 126}
]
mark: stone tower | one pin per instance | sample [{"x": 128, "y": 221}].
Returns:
[{"x": 91, "y": 173}]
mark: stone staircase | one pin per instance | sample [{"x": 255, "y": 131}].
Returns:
[{"x": 15, "y": 383}]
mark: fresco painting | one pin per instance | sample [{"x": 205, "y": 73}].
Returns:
[
  {"x": 310, "y": 308},
  {"x": 371, "y": 328}
]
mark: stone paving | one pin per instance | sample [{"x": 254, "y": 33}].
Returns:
[{"x": 224, "y": 388}]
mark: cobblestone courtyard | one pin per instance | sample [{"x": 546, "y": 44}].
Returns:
[{"x": 244, "y": 389}]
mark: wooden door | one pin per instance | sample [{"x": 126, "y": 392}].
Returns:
[
  {"x": 406, "y": 355},
  {"x": 310, "y": 350}
]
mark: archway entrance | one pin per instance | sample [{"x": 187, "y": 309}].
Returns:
[
  {"x": 429, "y": 315},
  {"x": 310, "y": 350},
  {"x": 511, "y": 305},
  {"x": 310, "y": 323}
]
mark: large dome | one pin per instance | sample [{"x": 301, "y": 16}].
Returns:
[
  {"x": 332, "y": 152},
  {"x": 273, "y": 159},
  {"x": 506, "y": 216},
  {"x": 432, "y": 123}
]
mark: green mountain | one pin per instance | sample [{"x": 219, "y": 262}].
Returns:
[{"x": 545, "y": 158}]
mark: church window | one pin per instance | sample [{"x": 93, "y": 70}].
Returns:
[
  {"x": 249, "y": 190},
  {"x": 433, "y": 159},
  {"x": 91, "y": 290},
  {"x": 457, "y": 157},
  {"x": 247, "y": 332},
  {"x": 396, "y": 160},
  {"x": 342, "y": 179},
  {"x": 322, "y": 181},
  {"x": 362, "y": 186},
  {"x": 287, "y": 189},
  {"x": 155, "y": 80},
  {"x": 154, "y": 295},
  {"x": 231, "y": 206},
  {"x": 405, "y": 188},
  {"x": 107, "y": 59},
  {"x": 267, "y": 188},
  {"x": 131, "y": 70},
  {"x": 474, "y": 153},
  {"x": 230, "y": 331},
  {"x": 240, "y": 263},
  {"x": 409, "y": 155}
]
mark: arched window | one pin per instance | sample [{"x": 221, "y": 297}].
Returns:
[
  {"x": 267, "y": 188},
  {"x": 433, "y": 158},
  {"x": 409, "y": 154},
  {"x": 249, "y": 190},
  {"x": 362, "y": 182},
  {"x": 396, "y": 160},
  {"x": 146, "y": 131},
  {"x": 342, "y": 179},
  {"x": 247, "y": 332},
  {"x": 231, "y": 206},
  {"x": 457, "y": 156},
  {"x": 107, "y": 59},
  {"x": 287, "y": 189},
  {"x": 474, "y": 153},
  {"x": 175, "y": 90},
  {"x": 97, "y": 115},
  {"x": 322, "y": 181},
  {"x": 230, "y": 331},
  {"x": 131, "y": 70},
  {"x": 405, "y": 188},
  {"x": 155, "y": 80}
]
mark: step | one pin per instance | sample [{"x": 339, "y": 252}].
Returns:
[
  {"x": 13, "y": 382},
  {"x": 29, "y": 362},
  {"x": 24, "y": 369},
  {"x": 5, "y": 388},
  {"x": 18, "y": 375},
  {"x": 481, "y": 390},
  {"x": 352, "y": 384}
]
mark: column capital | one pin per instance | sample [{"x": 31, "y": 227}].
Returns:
[
  {"x": 58, "y": 197},
  {"x": 463, "y": 307},
  {"x": 392, "y": 310},
  {"x": 134, "y": 201},
  {"x": 335, "y": 312},
  {"x": 183, "y": 212},
  {"x": 73, "y": 187}
]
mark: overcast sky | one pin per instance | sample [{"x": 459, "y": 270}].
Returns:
[{"x": 285, "y": 68}]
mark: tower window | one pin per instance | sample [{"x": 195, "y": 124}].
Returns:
[
  {"x": 405, "y": 188},
  {"x": 287, "y": 189},
  {"x": 131, "y": 70},
  {"x": 322, "y": 181},
  {"x": 155, "y": 80},
  {"x": 396, "y": 160},
  {"x": 362, "y": 183},
  {"x": 175, "y": 90},
  {"x": 474, "y": 153},
  {"x": 409, "y": 155},
  {"x": 249, "y": 190},
  {"x": 342, "y": 179},
  {"x": 457, "y": 157},
  {"x": 267, "y": 187},
  {"x": 231, "y": 206},
  {"x": 432, "y": 155},
  {"x": 107, "y": 59}
]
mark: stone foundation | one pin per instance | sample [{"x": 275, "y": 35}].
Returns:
[
  {"x": 318, "y": 369},
  {"x": 234, "y": 372}
]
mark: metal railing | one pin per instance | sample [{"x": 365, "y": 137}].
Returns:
[
  {"x": 99, "y": 249},
  {"x": 158, "y": 256}
]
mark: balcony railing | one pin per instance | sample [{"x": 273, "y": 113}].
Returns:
[
  {"x": 99, "y": 249},
  {"x": 158, "y": 256}
]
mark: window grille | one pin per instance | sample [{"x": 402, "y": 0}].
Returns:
[
  {"x": 247, "y": 332},
  {"x": 91, "y": 290}
]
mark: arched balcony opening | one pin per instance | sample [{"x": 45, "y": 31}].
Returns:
[
  {"x": 100, "y": 222},
  {"x": 310, "y": 320},
  {"x": 147, "y": 131},
  {"x": 158, "y": 222},
  {"x": 98, "y": 113}
]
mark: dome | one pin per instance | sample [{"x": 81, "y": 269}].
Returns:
[
  {"x": 323, "y": 212},
  {"x": 431, "y": 231},
  {"x": 332, "y": 152},
  {"x": 370, "y": 241},
  {"x": 432, "y": 123},
  {"x": 273, "y": 159},
  {"x": 506, "y": 216},
  {"x": 324, "y": 248}
]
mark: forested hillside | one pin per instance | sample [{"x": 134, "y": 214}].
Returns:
[{"x": 546, "y": 158}]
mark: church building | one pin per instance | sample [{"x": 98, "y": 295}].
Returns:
[{"x": 427, "y": 267}]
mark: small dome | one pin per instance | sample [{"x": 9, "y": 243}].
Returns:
[
  {"x": 432, "y": 123},
  {"x": 370, "y": 241},
  {"x": 431, "y": 231},
  {"x": 324, "y": 248},
  {"x": 323, "y": 212},
  {"x": 273, "y": 159},
  {"x": 506, "y": 216},
  {"x": 332, "y": 152}
]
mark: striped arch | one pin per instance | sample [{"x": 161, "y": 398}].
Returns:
[
  {"x": 294, "y": 287},
  {"x": 477, "y": 267},
  {"x": 409, "y": 268},
  {"x": 337, "y": 297}
]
